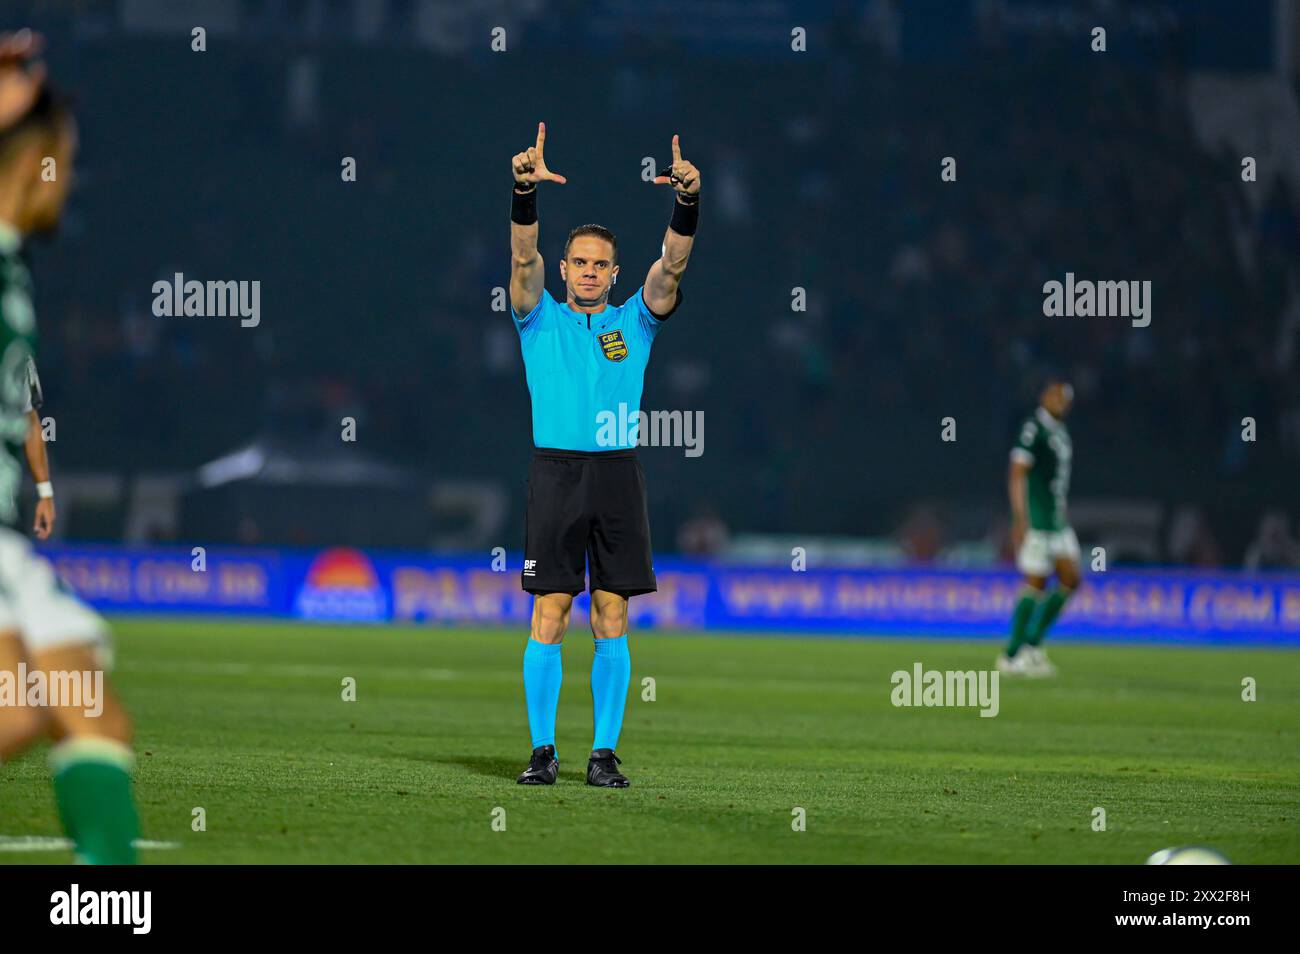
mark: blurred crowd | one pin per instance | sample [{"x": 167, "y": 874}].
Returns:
[{"x": 922, "y": 298}]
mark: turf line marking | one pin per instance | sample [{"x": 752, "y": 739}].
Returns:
[
  {"x": 286, "y": 669},
  {"x": 28, "y": 844}
]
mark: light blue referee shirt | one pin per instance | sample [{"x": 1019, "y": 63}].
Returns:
[{"x": 585, "y": 372}]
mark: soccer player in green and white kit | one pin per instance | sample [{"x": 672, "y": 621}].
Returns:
[
  {"x": 1037, "y": 483},
  {"x": 45, "y": 631}
]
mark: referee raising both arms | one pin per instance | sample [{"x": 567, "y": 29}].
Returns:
[{"x": 585, "y": 360}]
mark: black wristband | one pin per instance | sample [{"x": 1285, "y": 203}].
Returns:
[
  {"x": 523, "y": 206},
  {"x": 685, "y": 217}
]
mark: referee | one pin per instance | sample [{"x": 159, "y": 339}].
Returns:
[{"x": 585, "y": 360}]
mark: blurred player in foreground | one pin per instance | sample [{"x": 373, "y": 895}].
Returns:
[
  {"x": 585, "y": 361},
  {"x": 1038, "y": 483},
  {"x": 53, "y": 648}
]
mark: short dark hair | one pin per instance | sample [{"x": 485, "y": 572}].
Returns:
[
  {"x": 1047, "y": 376},
  {"x": 592, "y": 229}
]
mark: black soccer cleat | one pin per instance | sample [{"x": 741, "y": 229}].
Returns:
[
  {"x": 543, "y": 767},
  {"x": 602, "y": 770}
]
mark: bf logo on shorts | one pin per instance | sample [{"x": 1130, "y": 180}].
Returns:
[
  {"x": 612, "y": 343},
  {"x": 530, "y": 568}
]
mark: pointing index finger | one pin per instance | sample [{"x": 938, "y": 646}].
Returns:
[
  {"x": 677, "y": 149},
  {"x": 541, "y": 137}
]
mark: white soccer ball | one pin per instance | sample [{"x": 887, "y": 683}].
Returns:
[{"x": 1194, "y": 855}]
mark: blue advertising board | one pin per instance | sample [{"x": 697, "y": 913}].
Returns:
[{"x": 347, "y": 585}]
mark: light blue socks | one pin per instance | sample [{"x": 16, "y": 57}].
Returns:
[
  {"x": 611, "y": 670},
  {"x": 543, "y": 673}
]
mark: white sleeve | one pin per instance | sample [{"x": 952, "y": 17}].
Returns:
[{"x": 32, "y": 393}]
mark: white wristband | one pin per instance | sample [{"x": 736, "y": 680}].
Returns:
[{"x": 44, "y": 489}]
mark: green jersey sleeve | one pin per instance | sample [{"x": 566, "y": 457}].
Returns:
[{"x": 1025, "y": 449}]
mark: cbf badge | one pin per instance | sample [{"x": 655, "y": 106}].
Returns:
[{"x": 612, "y": 343}]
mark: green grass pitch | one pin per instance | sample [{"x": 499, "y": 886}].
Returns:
[{"x": 246, "y": 720}]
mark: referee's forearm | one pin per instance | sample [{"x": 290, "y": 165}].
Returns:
[
  {"x": 523, "y": 225},
  {"x": 677, "y": 251},
  {"x": 680, "y": 236},
  {"x": 523, "y": 244},
  {"x": 523, "y": 215}
]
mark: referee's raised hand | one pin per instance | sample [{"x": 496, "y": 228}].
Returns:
[
  {"x": 530, "y": 166},
  {"x": 681, "y": 175}
]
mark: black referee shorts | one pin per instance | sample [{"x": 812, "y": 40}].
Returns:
[{"x": 587, "y": 509}]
